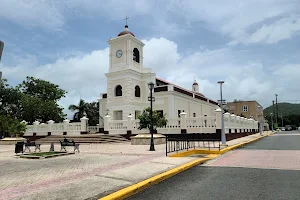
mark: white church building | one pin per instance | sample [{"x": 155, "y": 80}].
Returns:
[
  {"x": 187, "y": 111},
  {"x": 127, "y": 86}
]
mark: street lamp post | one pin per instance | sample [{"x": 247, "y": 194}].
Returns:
[
  {"x": 223, "y": 137},
  {"x": 272, "y": 120},
  {"x": 151, "y": 99},
  {"x": 260, "y": 116}
]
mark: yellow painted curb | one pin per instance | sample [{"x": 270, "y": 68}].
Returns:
[
  {"x": 205, "y": 151},
  {"x": 133, "y": 189}
]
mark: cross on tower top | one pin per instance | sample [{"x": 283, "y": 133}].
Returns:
[{"x": 126, "y": 20}]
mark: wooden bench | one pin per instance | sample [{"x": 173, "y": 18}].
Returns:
[
  {"x": 29, "y": 144},
  {"x": 66, "y": 143}
]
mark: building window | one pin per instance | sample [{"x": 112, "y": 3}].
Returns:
[
  {"x": 118, "y": 91},
  {"x": 136, "y": 55},
  {"x": 245, "y": 108},
  {"x": 194, "y": 114},
  {"x": 179, "y": 111},
  {"x": 137, "y": 91}
]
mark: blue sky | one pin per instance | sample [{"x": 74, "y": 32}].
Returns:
[{"x": 253, "y": 45}]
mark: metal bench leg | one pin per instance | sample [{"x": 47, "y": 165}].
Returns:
[
  {"x": 76, "y": 147},
  {"x": 27, "y": 147},
  {"x": 63, "y": 148},
  {"x": 37, "y": 147}
]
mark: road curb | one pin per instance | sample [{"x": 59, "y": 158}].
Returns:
[
  {"x": 133, "y": 189},
  {"x": 205, "y": 151}
]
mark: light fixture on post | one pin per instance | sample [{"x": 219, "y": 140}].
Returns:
[
  {"x": 223, "y": 137},
  {"x": 260, "y": 117},
  {"x": 151, "y": 99}
]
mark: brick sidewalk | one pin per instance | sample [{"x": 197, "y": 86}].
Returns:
[{"x": 96, "y": 171}]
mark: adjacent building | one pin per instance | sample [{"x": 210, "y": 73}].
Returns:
[{"x": 249, "y": 109}]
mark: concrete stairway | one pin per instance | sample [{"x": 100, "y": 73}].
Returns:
[{"x": 88, "y": 138}]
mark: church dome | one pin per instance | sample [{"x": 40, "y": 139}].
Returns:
[{"x": 126, "y": 31}]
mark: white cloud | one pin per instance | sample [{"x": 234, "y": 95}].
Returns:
[
  {"x": 33, "y": 13},
  {"x": 246, "y": 22},
  {"x": 242, "y": 21},
  {"x": 247, "y": 80},
  {"x": 283, "y": 29}
]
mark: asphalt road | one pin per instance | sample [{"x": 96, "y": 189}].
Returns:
[{"x": 219, "y": 182}]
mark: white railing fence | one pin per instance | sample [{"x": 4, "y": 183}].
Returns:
[
  {"x": 51, "y": 128},
  {"x": 205, "y": 124}
]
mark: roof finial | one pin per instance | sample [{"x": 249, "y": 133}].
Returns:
[
  {"x": 194, "y": 78},
  {"x": 126, "y": 26}
]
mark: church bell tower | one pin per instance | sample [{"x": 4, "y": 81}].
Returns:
[{"x": 125, "y": 52}]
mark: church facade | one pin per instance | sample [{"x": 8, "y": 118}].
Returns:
[{"x": 127, "y": 86}]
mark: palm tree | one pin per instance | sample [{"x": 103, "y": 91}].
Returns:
[
  {"x": 80, "y": 109},
  {"x": 93, "y": 113}
]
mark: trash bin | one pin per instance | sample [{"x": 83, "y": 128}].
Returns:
[{"x": 19, "y": 147}]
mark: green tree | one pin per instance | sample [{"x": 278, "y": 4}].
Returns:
[
  {"x": 158, "y": 120},
  {"x": 10, "y": 100},
  {"x": 42, "y": 89},
  {"x": 90, "y": 109},
  {"x": 93, "y": 113},
  {"x": 31, "y": 100},
  {"x": 34, "y": 108},
  {"x": 11, "y": 126},
  {"x": 79, "y": 109}
]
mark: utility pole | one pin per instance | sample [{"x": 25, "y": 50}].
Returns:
[
  {"x": 276, "y": 109},
  {"x": 274, "y": 113},
  {"x": 223, "y": 136},
  {"x": 1, "y": 50}
]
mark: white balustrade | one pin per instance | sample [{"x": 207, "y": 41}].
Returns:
[
  {"x": 117, "y": 125},
  {"x": 43, "y": 129}
]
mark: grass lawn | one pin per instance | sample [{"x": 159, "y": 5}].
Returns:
[{"x": 43, "y": 154}]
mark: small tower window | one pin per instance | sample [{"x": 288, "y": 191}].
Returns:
[
  {"x": 137, "y": 91},
  {"x": 118, "y": 90},
  {"x": 136, "y": 55}
]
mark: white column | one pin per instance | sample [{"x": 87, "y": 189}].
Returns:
[
  {"x": 233, "y": 117},
  {"x": 66, "y": 123},
  {"x": 50, "y": 123},
  {"x": 107, "y": 118},
  {"x": 238, "y": 123},
  {"x": 183, "y": 120},
  {"x": 35, "y": 126},
  {"x": 129, "y": 118},
  {"x": 227, "y": 121},
  {"x": 218, "y": 113},
  {"x": 84, "y": 124}
]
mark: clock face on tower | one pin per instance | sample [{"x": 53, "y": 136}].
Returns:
[{"x": 119, "y": 53}]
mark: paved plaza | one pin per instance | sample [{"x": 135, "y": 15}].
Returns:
[{"x": 98, "y": 170}]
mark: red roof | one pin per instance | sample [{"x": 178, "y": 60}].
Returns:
[
  {"x": 169, "y": 83},
  {"x": 126, "y": 31}
]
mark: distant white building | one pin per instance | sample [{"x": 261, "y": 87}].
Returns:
[{"x": 127, "y": 86}]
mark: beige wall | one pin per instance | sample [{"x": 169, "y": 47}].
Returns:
[
  {"x": 236, "y": 108},
  {"x": 171, "y": 102}
]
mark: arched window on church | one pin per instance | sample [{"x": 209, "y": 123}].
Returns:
[
  {"x": 136, "y": 55},
  {"x": 118, "y": 91},
  {"x": 137, "y": 91}
]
